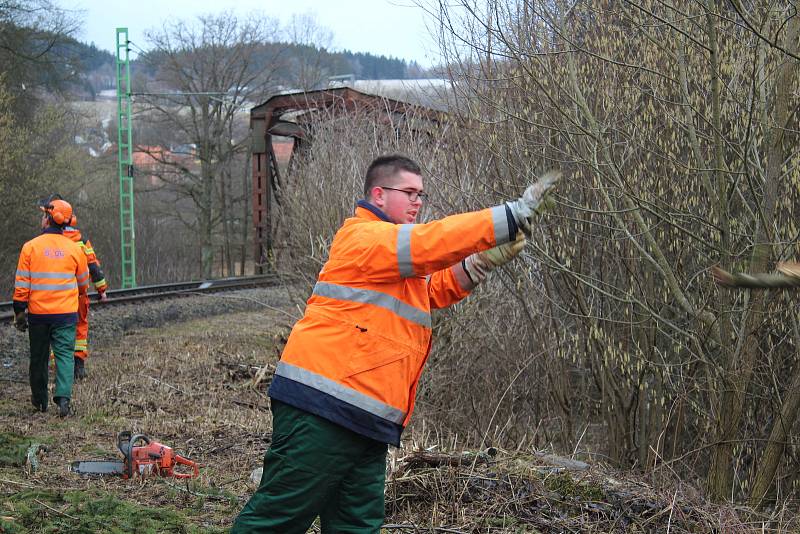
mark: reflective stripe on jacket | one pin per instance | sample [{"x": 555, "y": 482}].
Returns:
[
  {"x": 356, "y": 356},
  {"x": 51, "y": 271},
  {"x": 98, "y": 278}
]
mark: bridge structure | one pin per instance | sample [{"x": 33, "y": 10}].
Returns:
[{"x": 289, "y": 116}]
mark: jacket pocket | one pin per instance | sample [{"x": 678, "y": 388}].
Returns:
[{"x": 373, "y": 351}]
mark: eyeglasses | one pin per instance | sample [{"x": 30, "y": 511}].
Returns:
[{"x": 412, "y": 195}]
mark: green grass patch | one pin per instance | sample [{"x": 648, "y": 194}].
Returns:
[
  {"x": 96, "y": 452},
  {"x": 567, "y": 486},
  {"x": 9, "y": 407},
  {"x": 204, "y": 491},
  {"x": 46, "y": 512},
  {"x": 101, "y": 418},
  {"x": 504, "y": 522},
  {"x": 14, "y": 448}
]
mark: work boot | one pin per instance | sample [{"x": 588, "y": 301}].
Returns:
[
  {"x": 80, "y": 369},
  {"x": 63, "y": 406},
  {"x": 41, "y": 406}
]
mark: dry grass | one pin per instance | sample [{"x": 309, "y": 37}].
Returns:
[
  {"x": 529, "y": 492},
  {"x": 199, "y": 386}
]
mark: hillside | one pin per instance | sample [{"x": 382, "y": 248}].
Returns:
[{"x": 96, "y": 66}]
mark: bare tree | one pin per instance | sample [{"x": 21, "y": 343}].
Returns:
[
  {"x": 208, "y": 73},
  {"x": 675, "y": 122},
  {"x": 32, "y": 52},
  {"x": 36, "y": 136},
  {"x": 307, "y": 69}
]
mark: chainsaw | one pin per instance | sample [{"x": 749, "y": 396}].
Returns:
[{"x": 150, "y": 459}]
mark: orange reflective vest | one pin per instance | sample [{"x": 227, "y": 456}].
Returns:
[
  {"x": 356, "y": 356},
  {"x": 51, "y": 271},
  {"x": 98, "y": 278}
]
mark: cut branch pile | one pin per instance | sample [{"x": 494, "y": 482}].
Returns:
[{"x": 493, "y": 491}]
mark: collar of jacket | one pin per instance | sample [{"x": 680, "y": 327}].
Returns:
[
  {"x": 53, "y": 230},
  {"x": 373, "y": 209}
]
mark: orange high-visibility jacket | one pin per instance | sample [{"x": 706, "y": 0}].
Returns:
[
  {"x": 51, "y": 271},
  {"x": 356, "y": 356},
  {"x": 98, "y": 278}
]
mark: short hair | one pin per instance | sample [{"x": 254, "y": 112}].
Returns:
[{"x": 384, "y": 168}]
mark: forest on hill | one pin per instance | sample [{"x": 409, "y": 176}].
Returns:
[{"x": 83, "y": 70}]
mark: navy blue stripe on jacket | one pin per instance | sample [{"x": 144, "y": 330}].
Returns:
[
  {"x": 334, "y": 410},
  {"x": 53, "y": 318},
  {"x": 46, "y": 318}
]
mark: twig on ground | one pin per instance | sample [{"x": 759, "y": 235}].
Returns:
[
  {"x": 407, "y": 526},
  {"x": 59, "y": 512},
  {"x": 250, "y": 405},
  {"x": 261, "y": 375},
  {"x": 129, "y": 403},
  {"x": 157, "y": 381},
  {"x": 23, "y": 484},
  {"x": 196, "y": 493}
]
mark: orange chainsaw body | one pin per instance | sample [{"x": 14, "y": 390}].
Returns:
[
  {"x": 154, "y": 458},
  {"x": 148, "y": 459}
]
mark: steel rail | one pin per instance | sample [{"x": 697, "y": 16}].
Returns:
[{"x": 161, "y": 291}]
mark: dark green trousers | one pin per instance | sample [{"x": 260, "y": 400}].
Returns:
[
  {"x": 62, "y": 340},
  {"x": 316, "y": 468}
]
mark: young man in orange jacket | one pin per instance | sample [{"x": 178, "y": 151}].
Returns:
[
  {"x": 100, "y": 285},
  {"x": 51, "y": 273},
  {"x": 345, "y": 385}
]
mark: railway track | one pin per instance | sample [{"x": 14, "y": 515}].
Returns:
[{"x": 162, "y": 291}]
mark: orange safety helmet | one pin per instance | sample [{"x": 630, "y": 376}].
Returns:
[{"x": 59, "y": 211}]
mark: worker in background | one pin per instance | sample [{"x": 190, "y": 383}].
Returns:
[
  {"x": 51, "y": 273},
  {"x": 100, "y": 285},
  {"x": 344, "y": 388}
]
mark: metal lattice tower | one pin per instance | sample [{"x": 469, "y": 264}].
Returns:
[{"x": 125, "y": 161}]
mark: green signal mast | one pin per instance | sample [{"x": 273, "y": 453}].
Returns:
[{"x": 125, "y": 161}]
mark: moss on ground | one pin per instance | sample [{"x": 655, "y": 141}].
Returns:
[
  {"x": 45, "y": 511},
  {"x": 565, "y": 485},
  {"x": 14, "y": 448}
]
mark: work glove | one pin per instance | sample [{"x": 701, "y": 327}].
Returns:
[
  {"x": 789, "y": 268},
  {"x": 21, "y": 321},
  {"x": 532, "y": 200},
  {"x": 79, "y": 369},
  {"x": 788, "y": 276},
  {"x": 103, "y": 296},
  {"x": 480, "y": 264}
]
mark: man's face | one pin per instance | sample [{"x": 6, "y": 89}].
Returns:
[
  {"x": 45, "y": 221},
  {"x": 397, "y": 205}
]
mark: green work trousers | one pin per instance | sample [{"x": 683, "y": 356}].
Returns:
[
  {"x": 62, "y": 340},
  {"x": 316, "y": 468}
]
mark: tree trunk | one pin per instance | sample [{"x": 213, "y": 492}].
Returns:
[
  {"x": 246, "y": 206},
  {"x": 206, "y": 221},
  {"x": 740, "y": 368},
  {"x": 225, "y": 215},
  {"x": 776, "y": 443}
]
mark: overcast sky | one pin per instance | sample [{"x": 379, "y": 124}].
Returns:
[{"x": 384, "y": 27}]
